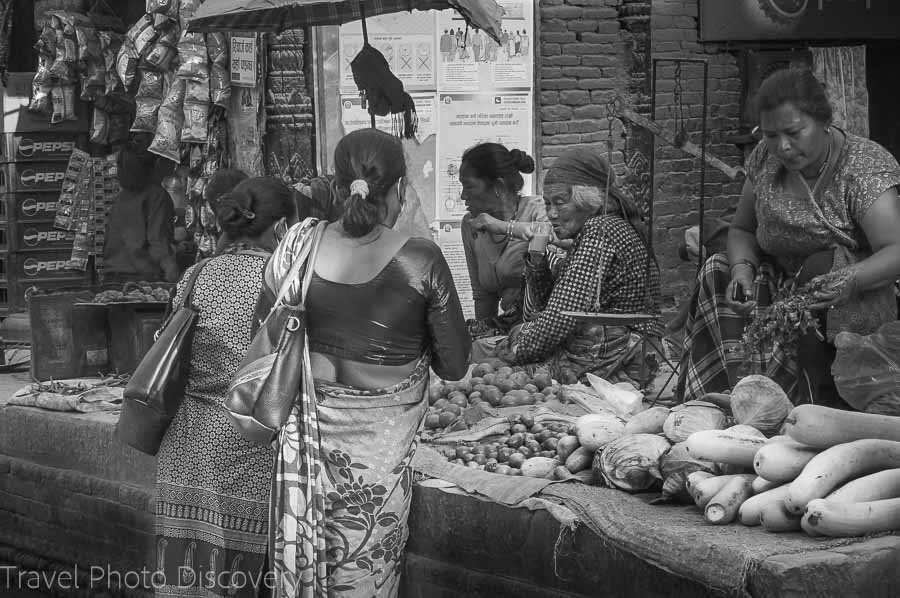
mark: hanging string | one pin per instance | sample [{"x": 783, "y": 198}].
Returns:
[{"x": 605, "y": 237}]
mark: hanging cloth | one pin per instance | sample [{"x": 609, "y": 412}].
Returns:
[
  {"x": 842, "y": 70},
  {"x": 384, "y": 91}
]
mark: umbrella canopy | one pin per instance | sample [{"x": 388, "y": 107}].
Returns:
[{"x": 277, "y": 15}]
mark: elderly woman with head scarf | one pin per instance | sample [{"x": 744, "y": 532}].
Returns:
[{"x": 607, "y": 268}]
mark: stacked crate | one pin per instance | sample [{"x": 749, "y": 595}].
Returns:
[{"x": 32, "y": 252}]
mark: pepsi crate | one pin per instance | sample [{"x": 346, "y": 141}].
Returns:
[
  {"x": 28, "y": 207},
  {"x": 14, "y": 294},
  {"x": 43, "y": 265},
  {"x": 36, "y": 236},
  {"x": 31, "y": 177},
  {"x": 38, "y": 147}
]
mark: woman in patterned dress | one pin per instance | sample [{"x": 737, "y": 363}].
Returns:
[
  {"x": 494, "y": 233},
  {"x": 382, "y": 308},
  {"x": 606, "y": 268},
  {"x": 213, "y": 485},
  {"x": 816, "y": 200}
]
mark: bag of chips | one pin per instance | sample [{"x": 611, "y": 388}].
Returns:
[
  {"x": 41, "y": 102},
  {"x": 99, "y": 127},
  {"x": 68, "y": 91},
  {"x": 109, "y": 48},
  {"x": 167, "y": 141},
  {"x": 59, "y": 105},
  {"x": 163, "y": 7},
  {"x": 192, "y": 55},
  {"x": 127, "y": 63},
  {"x": 88, "y": 46},
  {"x": 145, "y": 117},
  {"x": 163, "y": 52},
  {"x": 142, "y": 35},
  {"x": 151, "y": 85}
]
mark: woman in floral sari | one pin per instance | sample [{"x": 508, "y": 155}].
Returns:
[{"x": 382, "y": 308}]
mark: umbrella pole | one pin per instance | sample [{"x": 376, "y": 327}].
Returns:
[{"x": 362, "y": 16}]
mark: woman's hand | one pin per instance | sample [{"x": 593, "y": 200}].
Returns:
[
  {"x": 487, "y": 223},
  {"x": 834, "y": 288},
  {"x": 739, "y": 292}
]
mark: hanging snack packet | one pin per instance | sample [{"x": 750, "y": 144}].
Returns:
[
  {"x": 99, "y": 127},
  {"x": 59, "y": 105},
  {"x": 162, "y": 7},
  {"x": 109, "y": 48},
  {"x": 126, "y": 63},
  {"x": 59, "y": 67},
  {"x": 187, "y": 9},
  {"x": 46, "y": 43},
  {"x": 69, "y": 102},
  {"x": 219, "y": 75},
  {"x": 192, "y": 55},
  {"x": 196, "y": 116},
  {"x": 164, "y": 50},
  {"x": 145, "y": 117},
  {"x": 142, "y": 35},
  {"x": 88, "y": 46},
  {"x": 69, "y": 39},
  {"x": 40, "y": 88},
  {"x": 167, "y": 141},
  {"x": 151, "y": 85}
]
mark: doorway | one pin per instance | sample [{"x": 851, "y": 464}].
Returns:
[{"x": 882, "y": 65}]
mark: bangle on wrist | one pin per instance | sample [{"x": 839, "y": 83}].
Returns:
[
  {"x": 744, "y": 262},
  {"x": 509, "y": 227}
]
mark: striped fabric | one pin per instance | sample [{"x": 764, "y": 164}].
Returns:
[{"x": 277, "y": 15}]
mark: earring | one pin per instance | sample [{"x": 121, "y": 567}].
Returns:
[{"x": 828, "y": 130}]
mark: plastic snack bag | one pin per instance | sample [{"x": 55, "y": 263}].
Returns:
[
  {"x": 192, "y": 57},
  {"x": 69, "y": 102},
  {"x": 163, "y": 51},
  {"x": 142, "y": 35},
  {"x": 151, "y": 85},
  {"x": 41, "y": 102},
  {"x": 167, "y": 141},
  {"x": 99, "y": 127},
  {"x": 127, "y": 63}
]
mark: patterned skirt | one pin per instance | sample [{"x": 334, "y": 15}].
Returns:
[
  {"x": 343, "y": 485},
  {"x": 211, "y": 506}
]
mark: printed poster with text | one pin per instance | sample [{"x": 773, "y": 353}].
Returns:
[
  {"x": 449, "y": 239},
  {"x": 468, "y": 119},
  {"x": 470, "y": 60}
]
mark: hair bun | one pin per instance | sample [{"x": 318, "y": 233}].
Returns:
[
  {"x": 232, "y": 209},
  {"x": 524, "y": 162}
]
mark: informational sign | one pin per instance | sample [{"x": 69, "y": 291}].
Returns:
[
  {"x": 471, "y": 118},
  {"x": 354, "y": 117},
  {"x": 754, "y": 20},
  {"x": 244, "y": 47},
  {"x": 449, "y": 239}
]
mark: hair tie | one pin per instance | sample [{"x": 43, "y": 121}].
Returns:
[
  {"x": 359, "y": 187},
  {"x": 248, "y": 214}
]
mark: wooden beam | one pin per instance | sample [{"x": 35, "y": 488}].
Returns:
[{"x": 687, "y": 147}]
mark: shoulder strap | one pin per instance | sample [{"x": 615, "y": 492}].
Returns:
[
  {"x": 187, "y": 298},
  {"x": 311, "y": 239},
  {"x": 311, "y": 263}
]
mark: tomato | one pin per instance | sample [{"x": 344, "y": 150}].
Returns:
[{"x": 516, "y": 460}]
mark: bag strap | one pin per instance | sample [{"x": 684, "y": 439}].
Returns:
[
  {"x": 187, "y": 298},
  {"x": 312, "y": 238},
  {"x": 311, "y": 262}
]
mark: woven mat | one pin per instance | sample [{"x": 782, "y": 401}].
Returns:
[{"x": 678, "y": 539}]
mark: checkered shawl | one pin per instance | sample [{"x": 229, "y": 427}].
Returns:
[{"x": 606, "y": 247}]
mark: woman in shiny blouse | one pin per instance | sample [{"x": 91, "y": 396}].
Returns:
[{"x": 382, "y": 309}]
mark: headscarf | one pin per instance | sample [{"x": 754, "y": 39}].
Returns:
[{"x": 583, "y": 166}]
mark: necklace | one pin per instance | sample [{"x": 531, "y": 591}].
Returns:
[
  {"x": 241, "y": 246},
  {"x": 818, "y": 178}
]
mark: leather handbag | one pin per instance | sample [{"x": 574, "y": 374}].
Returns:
[
  {"x": 268, "y": 380},
  {"x": 156, "y": 388}
]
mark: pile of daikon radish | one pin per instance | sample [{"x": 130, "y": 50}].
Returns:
[{"x": 832, "y": 473}]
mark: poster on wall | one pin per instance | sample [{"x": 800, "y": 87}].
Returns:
[
  {"x": 354, "y": 117},
  {"x": 449, "y": 239},
  {"x": 749, "y": 20},
  {"x": 470, "y": 60},
  {"x": 243, "y": 59},
  {"x": 467, "y": 119}
]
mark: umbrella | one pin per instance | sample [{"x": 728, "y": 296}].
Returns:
[{"x": 277, "y": 15}]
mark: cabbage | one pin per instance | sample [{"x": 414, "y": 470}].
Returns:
[
  {"x": 675, "y": 466},
  {"x": 693, "y": 416},
  {"x": 760, "y": 402},
  {"x": 632, "y": 462}
]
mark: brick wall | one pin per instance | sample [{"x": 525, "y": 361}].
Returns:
[
  {"x": 593, "y": 51},
  {"x": 677, "y": 174}
]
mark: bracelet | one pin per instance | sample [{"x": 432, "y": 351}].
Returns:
[
  {"x": 509, "y": 227},
  {"x": 744, "y": 262}
]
